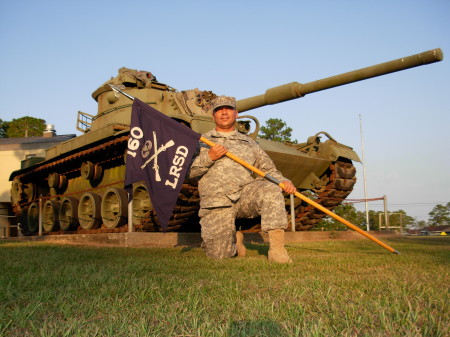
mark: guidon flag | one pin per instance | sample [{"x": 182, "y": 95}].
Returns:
[{"x": 159, "y": 152}]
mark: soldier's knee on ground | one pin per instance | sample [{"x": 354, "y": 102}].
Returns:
[{"x": 217, "y": 250}]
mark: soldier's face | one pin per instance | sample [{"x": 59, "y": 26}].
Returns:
[{"x": 225, "y": 117}]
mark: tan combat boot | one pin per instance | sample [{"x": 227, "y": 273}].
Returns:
[
  {"x": 241, "y": 250},
  {"x": 277, "y": 252}
]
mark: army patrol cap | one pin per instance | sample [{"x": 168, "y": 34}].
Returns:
[{"x": 221, "y": 101}]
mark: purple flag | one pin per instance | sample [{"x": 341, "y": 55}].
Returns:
[{"x": 159, "y": 151}]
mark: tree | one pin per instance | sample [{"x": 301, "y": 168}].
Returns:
[
  {"x": 3, "y": 128},
  {"x": 346, "y": 211},
  {"x": 394, "y": 219},
  {"x": 400, "y": 217},
  {"x": 276, "y": 130},
  {"x": 358, "y": 218},
  {"x": 421, "y": 224},
  {"x": 440, "y": 214},
  {"x": 25, "y": 127}
]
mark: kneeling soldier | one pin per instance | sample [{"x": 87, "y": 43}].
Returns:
[{"x": 228, "y": 190}]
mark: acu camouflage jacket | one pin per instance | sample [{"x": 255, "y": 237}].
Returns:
[{"x": 220, "y": 182}]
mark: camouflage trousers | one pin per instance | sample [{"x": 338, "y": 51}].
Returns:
[{"x": 261, "y": 197}]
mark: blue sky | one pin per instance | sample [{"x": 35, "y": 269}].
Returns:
[{"x": 54, "y": 54}]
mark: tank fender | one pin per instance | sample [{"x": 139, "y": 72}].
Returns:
[{"x": 333, "y": 150}]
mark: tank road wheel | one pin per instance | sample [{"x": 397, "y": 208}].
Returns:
[
  {"x": 142, "y": 206},
  {"x": 22, "y": 192},
  {"x": 68, "y": 214},
  {"x": 16, "y": 191},
  {"x": 29, "y": 191},
  {"x": 53, "y": 180},
  {"x": 90, "y": 171},
  {"x": 184, "y": 215},
  {"x": 58, "y": 181},
  {"x": 33, "y": 218},
  {"x": 114, "y": 207},
  {"x": 87, "y": 170},
  {"x": 89, "y": 214},
  {"x": 62, "y": 182},
  {"x": 50, "y": 216}
]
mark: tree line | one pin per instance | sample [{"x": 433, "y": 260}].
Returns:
[
  {"x": 22, "y": 127},
  {"x": 438, "y": 216}
]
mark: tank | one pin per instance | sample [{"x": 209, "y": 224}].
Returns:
[{"x": 79, "y": 186}]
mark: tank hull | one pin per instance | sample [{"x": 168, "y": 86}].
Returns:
[{"x": 99, "y": 165}]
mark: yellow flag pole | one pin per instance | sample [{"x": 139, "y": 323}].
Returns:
[
  {"x": 302, "y": 197},
  {"x": 297, "y": 194}
]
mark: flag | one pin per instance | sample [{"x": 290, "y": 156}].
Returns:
[{"x": 159, "y": 152}]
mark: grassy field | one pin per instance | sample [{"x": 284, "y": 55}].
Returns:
[{"x": 334, "y": 288}]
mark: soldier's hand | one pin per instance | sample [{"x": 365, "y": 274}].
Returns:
[
  {"x": 289, "y": 187},
  {"x": 217, "y": 152}
]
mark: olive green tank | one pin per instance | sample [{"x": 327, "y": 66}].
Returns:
[{"x": 81, "y": 181}]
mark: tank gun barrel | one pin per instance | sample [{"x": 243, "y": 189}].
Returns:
[{"x": 295, "y": 90}]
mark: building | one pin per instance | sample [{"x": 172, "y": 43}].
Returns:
[
  {"x": 436, "y": 230},
  {"x": 17, "y": 153}
]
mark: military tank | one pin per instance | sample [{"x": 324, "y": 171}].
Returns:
[{"x": 79, "y": 186}]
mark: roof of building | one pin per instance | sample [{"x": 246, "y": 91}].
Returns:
[
  {"x": 29, "y": 140},
  {"x": 414, "y": 231},
  {"x": 445, "y": 228}
]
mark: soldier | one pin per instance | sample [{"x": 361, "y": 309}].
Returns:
[{"x": 229, "y": 191}]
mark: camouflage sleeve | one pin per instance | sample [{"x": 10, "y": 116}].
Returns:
[
  {"x": 200, "y": 162},
  {"x": 265, "y": 164}
]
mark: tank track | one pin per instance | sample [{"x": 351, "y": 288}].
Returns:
[
  {"x": 342, "y": 178},
  {"x": 69, "y": 165},
  {"x": 184, "y": 217}
]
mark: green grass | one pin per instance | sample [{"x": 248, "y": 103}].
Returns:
[{"x": 344, "y": 288}]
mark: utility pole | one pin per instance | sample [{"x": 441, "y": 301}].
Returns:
[
  {"x": 364, "y": 173},
  {"x": 386, "y": 217}
]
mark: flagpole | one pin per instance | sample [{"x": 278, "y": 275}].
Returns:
[
  {"x": 117, "y": 89},
  {"x": 130, "y": 204},
  {"x": 275, "y": 181}
]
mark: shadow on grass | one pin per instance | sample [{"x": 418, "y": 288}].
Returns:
[
  {"x": 259, "y": 248},
  {"x": 188, "y": 249},
  {"x": 255, "y": 328},
  {"x": 263, "y": 249}
]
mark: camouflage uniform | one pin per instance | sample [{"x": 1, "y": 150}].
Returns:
[{"x": 229, "y": 191}]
